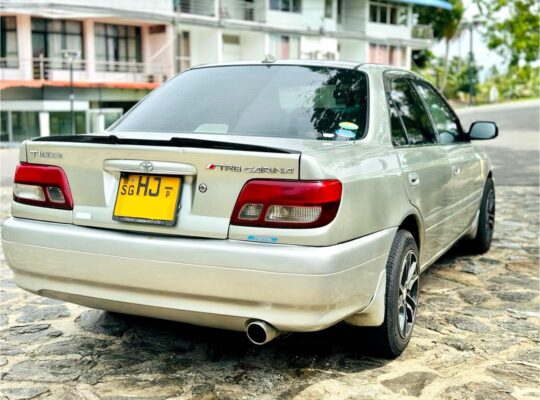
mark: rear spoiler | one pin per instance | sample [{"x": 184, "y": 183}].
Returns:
[{"x": 173, "y": 142}]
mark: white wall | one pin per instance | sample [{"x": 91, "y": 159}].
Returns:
[
  {"x": 353, "y": 50},
  {"x": 231, "y": 51},
  {"x": 205, "y": 43},
  {"x": 386, "y": 31},
  {"x": 354, "y": 15},
  {"x": 318, "y": 45},
  {"x": 253, "y": 46}
]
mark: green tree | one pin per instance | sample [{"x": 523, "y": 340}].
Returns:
[
  {"x": 458, "y": 76},
  {"x": 518, "y": 82},
  {"x": 445, "y": 24},
  {"x": 512, "y": 28}
]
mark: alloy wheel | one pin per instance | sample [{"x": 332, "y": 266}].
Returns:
[
  {"x": 490, "y": 209},
  {"x": 408, "y": 294}
]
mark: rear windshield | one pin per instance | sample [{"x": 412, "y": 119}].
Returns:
[{"x": 279, "y": 101}]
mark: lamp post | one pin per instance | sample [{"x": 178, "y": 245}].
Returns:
[{"x": 71, "y": 55}]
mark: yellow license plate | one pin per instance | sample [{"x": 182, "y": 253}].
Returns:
[{"x": 147, "y": 199}]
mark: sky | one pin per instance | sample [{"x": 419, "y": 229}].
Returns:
[{"x": 460, "y": 47}]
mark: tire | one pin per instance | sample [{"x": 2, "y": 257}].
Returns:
[
  {"x": 402, "y": 275},
  {"x": 486, "y": 222}
]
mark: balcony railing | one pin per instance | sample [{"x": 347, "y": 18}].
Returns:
[
  {"x": 196, "y": 7},
  {"x": 244, "y": 11},
  {"x": 58, "y": 69},
  {"x": 422, "y": 32},
  {"x": 42, "y": 67}
]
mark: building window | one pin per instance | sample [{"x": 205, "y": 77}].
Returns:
[
  {"x": 387, "y": 13},
  {"x": 183, "y": 6},
  {"x": 328, "y": 8},
  {"x": 8, "y": 43},
  {"x": 294, "y": 6},
  {"x": 4, "y": 127},
  {"x": 231, "y": 39},
  {"x": 118, "y": 48},
  {"x": 25, "y": 125},
  {"x": 60, "y": 122},
  {"x": 249, "y": 10},
  {"x": 183, "y": 51},
  {"x": 384, "y": 54},
  {"x": 51, "y": 37}
]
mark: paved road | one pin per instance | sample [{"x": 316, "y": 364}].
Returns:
[{"x": 515, "y": 153}]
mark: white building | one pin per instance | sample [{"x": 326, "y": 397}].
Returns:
[{"x": 111, "y": 53}]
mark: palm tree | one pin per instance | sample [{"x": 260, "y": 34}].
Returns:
[{"x": 450, "y": 27}]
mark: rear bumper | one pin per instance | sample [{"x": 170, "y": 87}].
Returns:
[{"x": 219, "y": 283}]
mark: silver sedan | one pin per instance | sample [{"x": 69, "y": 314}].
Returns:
[{"x": 263, "y": 197}]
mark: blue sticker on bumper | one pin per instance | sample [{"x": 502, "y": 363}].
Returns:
[{"x": 266, "y": 239}]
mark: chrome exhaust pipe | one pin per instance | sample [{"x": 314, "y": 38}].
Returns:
[{"x": 260, "y": 332}]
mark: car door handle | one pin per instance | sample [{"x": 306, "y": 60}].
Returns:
[
  {"x": 457, "y": 170},
  {"x": 414, "y": 178}
]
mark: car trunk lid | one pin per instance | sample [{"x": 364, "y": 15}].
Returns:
[{"x": 212, "y": 176}]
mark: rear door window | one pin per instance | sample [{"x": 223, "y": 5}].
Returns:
[
  {"x": 444, "y": 118},
  {"x": 399, "y": 137},
  {"x": 410, "y": 109}
]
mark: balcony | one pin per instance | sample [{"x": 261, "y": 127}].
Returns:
[
  {"x": 240, "y": 10},
  {"x": 56, "y": 72},
  {"x": 195, "y": 7},
  {"x": 422, "y": 32}
]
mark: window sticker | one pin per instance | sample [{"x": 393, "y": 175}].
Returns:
[
  {"x": 347, "y": 130},
  {"x": 349, "y": 126},
  {"x": 346, "y": 133}
]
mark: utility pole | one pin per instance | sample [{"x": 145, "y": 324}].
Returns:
[{"x": 71, "y": 55}]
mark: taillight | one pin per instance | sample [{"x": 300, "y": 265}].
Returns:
[
  {"x": 42, "y": 185},
  {"x": 287, "y": 204}
]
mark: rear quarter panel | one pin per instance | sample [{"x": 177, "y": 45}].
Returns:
[{"x": 374, "y": 194}]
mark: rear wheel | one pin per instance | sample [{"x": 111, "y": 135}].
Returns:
[
  {"x": 486, "y": 221},
  {"x": 401, "y": 303}
]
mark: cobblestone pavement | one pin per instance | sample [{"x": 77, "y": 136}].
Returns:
[{"x": 476, "y": 338}]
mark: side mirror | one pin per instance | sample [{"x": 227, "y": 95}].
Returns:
[{"x": 483, "y": 130}]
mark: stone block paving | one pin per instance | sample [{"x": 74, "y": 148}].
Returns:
[{"x": 477, "y": 338}]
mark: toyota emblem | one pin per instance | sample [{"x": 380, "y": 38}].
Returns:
[{"x": 146, "y": 166}]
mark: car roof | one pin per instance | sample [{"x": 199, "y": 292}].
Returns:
[{"x": 307, "y": 63}]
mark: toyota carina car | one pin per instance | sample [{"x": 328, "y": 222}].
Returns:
[{"x": 265, "y": 197}]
